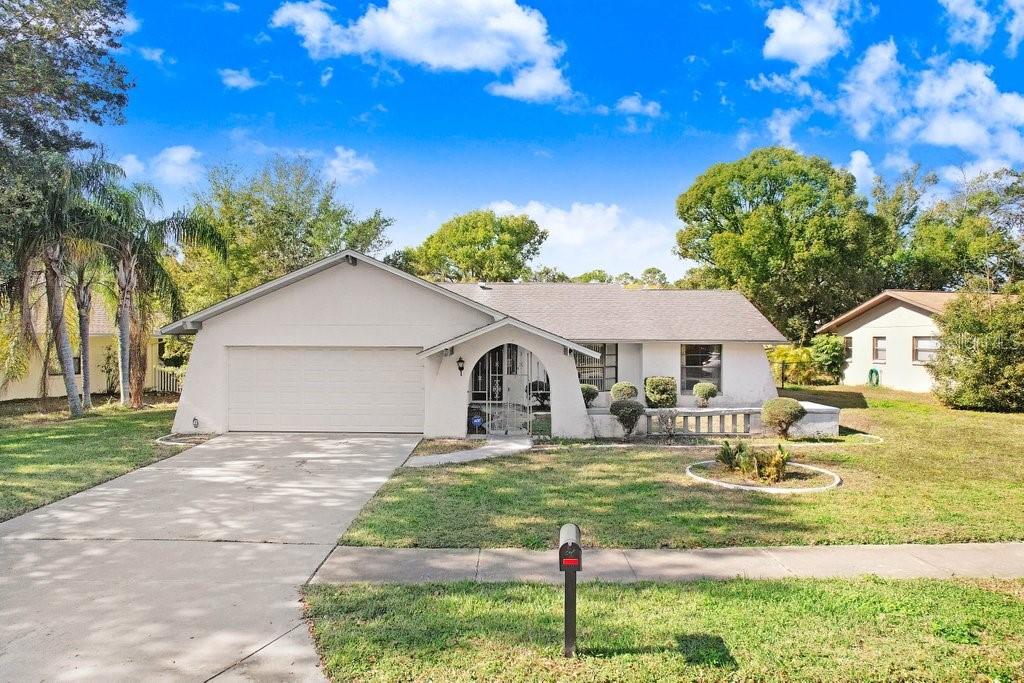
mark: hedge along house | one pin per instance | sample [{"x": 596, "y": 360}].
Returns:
[
  {"x": 891, "y": 336},
  {"x": 350, "y": 344}
]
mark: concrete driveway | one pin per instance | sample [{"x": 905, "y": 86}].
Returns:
[{"x": 189, "y": 568}]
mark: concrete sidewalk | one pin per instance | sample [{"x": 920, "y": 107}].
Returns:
[
  {"x": 420, "y": 565},
  {"x": 493, "y": 447}
]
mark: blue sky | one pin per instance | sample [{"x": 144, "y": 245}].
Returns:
[{"x": 591, "y": 116}]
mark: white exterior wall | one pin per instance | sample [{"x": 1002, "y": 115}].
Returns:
[
  {"x": 28, "y": 385},
  {"x": 899, "y": 323},
  {"x": 746, "y": 374},
  {"x": 447, "y": 393},
  {"x": 343, "y": 305}
]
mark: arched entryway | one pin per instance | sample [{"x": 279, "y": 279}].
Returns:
[{"x": 509, "y": 393}]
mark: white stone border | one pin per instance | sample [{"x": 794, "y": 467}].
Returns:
[{"x": 836, "y": 480}]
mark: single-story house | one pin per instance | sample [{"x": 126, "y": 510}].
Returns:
[
  {"x": 102, "y": 362},
  {"x": 893, "y": 334},
  {"x": 350, "y": 344}
]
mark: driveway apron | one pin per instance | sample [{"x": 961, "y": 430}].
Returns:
[{"x": 188, "y": 569}]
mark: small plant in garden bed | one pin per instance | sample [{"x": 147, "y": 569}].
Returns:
[{"x": 761, "y": 464}]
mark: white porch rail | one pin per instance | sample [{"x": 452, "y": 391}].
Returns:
[
  {"x": 706, "y": 421},
  {"x": 167, "y": 381}
]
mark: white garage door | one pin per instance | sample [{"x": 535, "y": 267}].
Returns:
[{"x": 325, "y": 389}]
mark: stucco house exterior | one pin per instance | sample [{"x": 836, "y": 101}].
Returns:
[
  {"x": 102, "y": 350},
  {"x": 893, "y": 334},
  {"x": 350, "y": 344}
]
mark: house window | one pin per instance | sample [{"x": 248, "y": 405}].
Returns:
[
  {"x": 878, "y": 349},
  {"x": 701, "y": 363},
  {"x": 602, "y": 372},
  {"x": 925, "y": 349},
  {"x": 54, "y": 369},
  {"x": 848, "y": 347}
]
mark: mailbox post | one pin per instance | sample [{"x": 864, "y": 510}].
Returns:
[{"x": 570, "y": 561}]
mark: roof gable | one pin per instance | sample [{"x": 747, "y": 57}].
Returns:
[{"x": 931, "y": 302}]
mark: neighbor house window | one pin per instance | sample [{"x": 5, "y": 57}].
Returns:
[
  {"x": 925, "y": 349},
  {"x": 701, "y": 363},
  {"x": 878, "y": 349},
  {"x": 848, "y": 347},
  {"x": 602, "y": 372}
]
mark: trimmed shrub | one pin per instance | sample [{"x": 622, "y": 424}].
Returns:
[
  {"x": 660, "y": 392},
  {"x": 622, "y": 391},
  {"x": 828, "y": 354},
  {"x": 780, "y": 414},
  {"x": 590, "y": 392},
  {"x": 627, "y": 412},
  {"x": 704, "y": 392}
]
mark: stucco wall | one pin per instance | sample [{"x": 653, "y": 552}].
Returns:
[
  {"x": 28, "y": 385},
  {"x": 342, "y": 306},
  {"x": 447, "y": 392},
  {"x": 899, "y": 323}
]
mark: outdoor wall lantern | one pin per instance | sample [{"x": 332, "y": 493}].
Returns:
[
  {"x": 195, "y": 423},
  {"x": 461, "y": 365}
]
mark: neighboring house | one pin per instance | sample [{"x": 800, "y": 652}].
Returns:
[
  {"x": 893, "y": 334},
  {"x": 102, "y": 350},
  {"x": 349, "y": 344}
]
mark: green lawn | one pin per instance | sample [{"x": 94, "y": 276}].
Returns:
[
  {"x": 939, "y": 476},
  {"x": 44, "y": 456},
  {"x": 861, "y": 630}
]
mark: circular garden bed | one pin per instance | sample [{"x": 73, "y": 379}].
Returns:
[{"x": 800, "y": 478}]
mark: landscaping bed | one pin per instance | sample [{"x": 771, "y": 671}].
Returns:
[
  {"x": 796, "y": 476},
  {"x": 937, "y": 476},
  {"x": 52, "y": 457},
  {"x": 804, "y": 630}
]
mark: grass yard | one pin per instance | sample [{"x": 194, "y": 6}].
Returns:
[
  {"x": 44, "y": 456},
  {"x": 443, "y": 446},
  {"x": 939, "y": 476},
  {"x": 806, "y": 630}
]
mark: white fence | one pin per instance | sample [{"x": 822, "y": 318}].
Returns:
[{"x": 167, "y": 381}]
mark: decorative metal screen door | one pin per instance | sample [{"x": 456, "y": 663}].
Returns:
[{"x": 502, "y": 389}]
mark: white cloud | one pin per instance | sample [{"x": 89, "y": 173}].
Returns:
[
  {"x": 781, "y": 123},
  {"x": 177, "y": 165},
  {"x": 496, "y": 36},
  {"x": 132, "y": 166},
  {"x": 152, "y": 54},
  {"x": 1014, "y": 25},
  {"x": 635, "y": 104},
  {"x": 861, "y": 168},
  {"x": 897, "y": 161},
  {"x": 127, "y": 26},
  {"x": 232, "y": 7},
  {"x": 325, "y": 76},
  {"x": 238, "y": 79},
  {"x": 585, "y": 236},
  {"x": 969, "y": 23},
  {"x": 871, "y": 91},
  {"x": 347, "y": 167},
  {"x": 743, "y": 140},
  {"x": 807, "y": 35}
]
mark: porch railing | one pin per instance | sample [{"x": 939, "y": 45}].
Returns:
[
  {"x": 704, "y": 421},
  {"x": 167, "y": 381}
]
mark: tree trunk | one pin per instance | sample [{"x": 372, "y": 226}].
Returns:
[
  {"x": 44, "y": 381},
  {"x": 125, "y": 286},
  {"x": 52, "y": 257},
  {"x": 83, "y": 300},
  {"x": 138, "y": 366}
]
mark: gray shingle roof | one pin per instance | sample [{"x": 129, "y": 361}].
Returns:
[{"x": 609, "y": 312}]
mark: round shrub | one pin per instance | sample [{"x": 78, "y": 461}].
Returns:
[
  {"x": 779, "y": 414},
  {"x": 622, "y": 391},
  {"x": 589, "y": 393},
  {"x": 660, "y": 392},
  {"x": 704, "y": 392},
  {"x": 627, "y": 412}
]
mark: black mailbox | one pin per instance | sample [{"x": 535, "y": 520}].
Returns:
[{"x": 570, "y": 554}]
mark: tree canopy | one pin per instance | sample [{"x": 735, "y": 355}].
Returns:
[
  {"x": 479, "y": 246},
  {"x": 58, "y": 71},
  {"x": 789, "y": 231}
]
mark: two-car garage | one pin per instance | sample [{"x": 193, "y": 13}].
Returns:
[{"x": 324, "y": 389}]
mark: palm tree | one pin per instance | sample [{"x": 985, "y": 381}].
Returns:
[
  {"x": 64, "y": 187},
  {"x": 84, "y": 271},
  {"x": 136, "y": 245}
]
